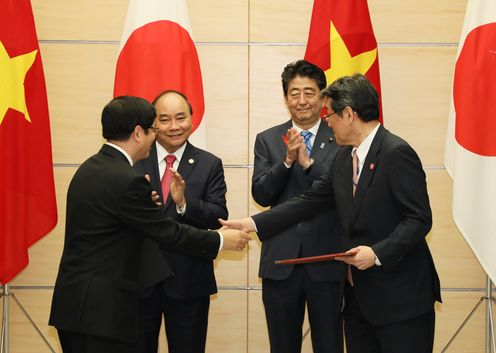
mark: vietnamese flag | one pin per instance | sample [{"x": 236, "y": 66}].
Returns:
[
  {"x": 470, "y": 155},
  {"x": 158, "y": 53},
  {"x": 341, "y": 41},
  {"x": 28, "y": 209}
]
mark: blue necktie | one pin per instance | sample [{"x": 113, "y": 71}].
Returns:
[{"x": 306, "y": 137}]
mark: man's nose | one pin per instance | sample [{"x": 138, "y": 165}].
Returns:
[
  {"x": 173, "y": 124},
  {"x": 302, "y": 99}
]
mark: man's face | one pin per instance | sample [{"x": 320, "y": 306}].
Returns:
[
  {"x": 146, "y": 143},
  {"x": 339, "y": 124},
  {"x": 303, "y": 101},
  {"x": 173, "y": 121}
]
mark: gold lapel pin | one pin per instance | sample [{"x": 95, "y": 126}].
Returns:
[{"x": 191, "y": 161}]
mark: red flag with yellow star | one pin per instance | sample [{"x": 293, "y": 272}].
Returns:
[
  {"x": 27, "y": 198},
  {"x": 341, "y": 40}
]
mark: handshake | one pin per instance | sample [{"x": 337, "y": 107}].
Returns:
[{"x": 235, "y": 233}]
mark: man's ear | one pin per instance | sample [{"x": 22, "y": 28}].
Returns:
[
  {"x": 348, "y": 113},
  {"x": 137, "y": 133}
]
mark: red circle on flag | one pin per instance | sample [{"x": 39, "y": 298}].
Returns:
[
  {"x": 474, "y": 92},
  {"x": 161, "y": 56}
]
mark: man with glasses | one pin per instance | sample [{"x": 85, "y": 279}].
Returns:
[
  {"x": 378, "y": 187},
  {"x": 196, "y": 197},
  {"x": 288, "y": 159},
  {"x": 113, "y": 238}
]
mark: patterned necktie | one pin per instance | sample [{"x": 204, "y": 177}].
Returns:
[
  {"x": 166, "y": 179},
  {"x": 306, "y": 137},
  {"x": 355, "y": 171}
]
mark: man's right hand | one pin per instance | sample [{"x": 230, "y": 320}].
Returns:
[
  {"x": 155, "y": 195},
  {"x": 246, "y": 225},
  {"x": 294, "y": 142},
  {"x": 303, "y": 158},
  {"x": 234, "y": 239}
]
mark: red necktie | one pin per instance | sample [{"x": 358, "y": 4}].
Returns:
[{"x": 166, "y": 179}]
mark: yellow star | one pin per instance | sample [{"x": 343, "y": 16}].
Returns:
[
  {"x": 12, "y": 75},
  {"x": 342, "y": 62}
]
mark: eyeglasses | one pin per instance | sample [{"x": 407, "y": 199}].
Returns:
[
  {"x": 326, "y": 117},
  {"x": 154, "y": 129}
]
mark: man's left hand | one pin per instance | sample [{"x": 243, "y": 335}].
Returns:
[
  {"x": 363, "y": 259},
  {"x": 178, "y": 185}
]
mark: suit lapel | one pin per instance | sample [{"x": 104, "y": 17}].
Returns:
[
  {"x": 186, "y": 165},
  {"x": 281, "y": 142},
  {"x": 344, "y": 193},
  {"x": 321, "y": 144},
  {"x": 369, "y": 169},
  {"x": 188, "y": 161},
  {"x": 151, "y": 168}
]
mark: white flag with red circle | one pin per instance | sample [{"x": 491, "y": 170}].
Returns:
[
  {"x": 470, "y": 155},
  {"x": 158, "y": 53}
]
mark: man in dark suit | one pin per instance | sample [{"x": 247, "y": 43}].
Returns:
[
  {"x": 198, "y": 199},
  {"x": 111, "y": 253},
  {"x": 378, "y": 187},
  {"x": 286, "y": 164}
]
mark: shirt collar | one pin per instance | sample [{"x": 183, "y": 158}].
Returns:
[
  {"x": 162, "y": 152},
  {"x": 120, "y": 149},
  {"x": 314, "y": 129},
  {"x": 364, "y": 147}
]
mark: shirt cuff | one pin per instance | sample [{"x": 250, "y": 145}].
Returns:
[
  {"x": 221, "y": 243},
  {"x": 181, "y": 210},
  {"x": 377, "y": 262},
  {"x": 254, "y": 224}
]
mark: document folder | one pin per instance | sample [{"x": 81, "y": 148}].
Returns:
[{"x": 303, "y": 260}]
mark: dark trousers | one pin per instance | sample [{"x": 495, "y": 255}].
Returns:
[
  {"x": 186, "y": 321},
  {"x": 414, "y": 335},
  {"x": 73, "y": 342},
  {"x": 284, "y": 302}
]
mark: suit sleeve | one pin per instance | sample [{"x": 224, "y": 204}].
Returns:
[
  {"x": 319, "y": 198},
  {"x": 204, "y": 212},
  {"x": 138, "y": 211},
  {"x": 269, "y": 176},
  {"x": 409, "y": 192}
]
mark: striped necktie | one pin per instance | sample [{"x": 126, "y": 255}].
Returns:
[
  {"x": 355, "y": 171},
  {"x": 307, "y": 135}
]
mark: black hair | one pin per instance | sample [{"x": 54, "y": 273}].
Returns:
[
  {"x": 355, "y": 92},
  {"x": 122, "y": 114},
  {"x": 302, "y": 68}
]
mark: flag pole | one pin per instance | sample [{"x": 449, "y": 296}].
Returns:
[
  {"x": 4, "y": 340},
  {"x": 489, "y": 316},
  {"x": 4, "y": 345},
  {"x": 489, "y": 299}
]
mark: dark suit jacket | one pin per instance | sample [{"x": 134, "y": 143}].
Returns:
[
  {"x": 273, "y": 184},
  {"x": 110, "y": 253},
  {"x": 390, "y": 212},
  {"x": 205, "y": 203}
]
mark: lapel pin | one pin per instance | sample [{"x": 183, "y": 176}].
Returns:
[
  {"x": 331, "y": 140},
  {"x": 372, "y": 166},
  {"x": 322, "y": 145},
  {"x": 285, "y": 139},
  {"x": 191, "y": 161}
]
